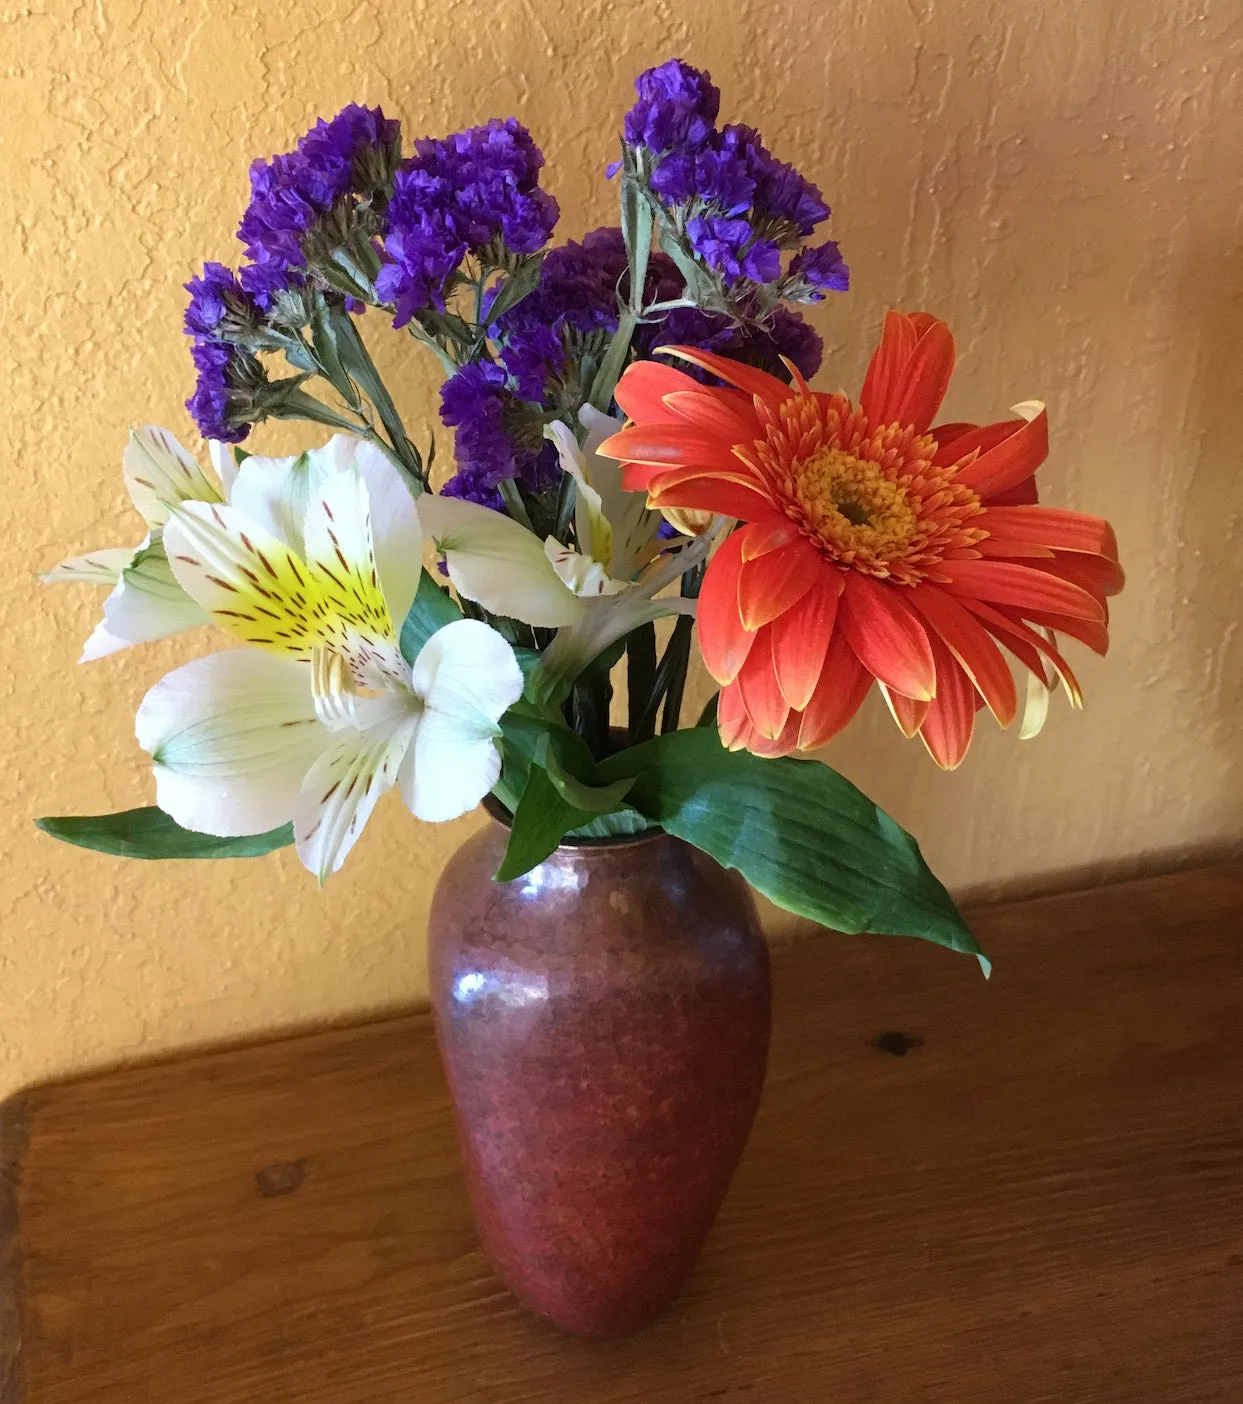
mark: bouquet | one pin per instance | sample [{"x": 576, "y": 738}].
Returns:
[{"x": 642, "y": 472}]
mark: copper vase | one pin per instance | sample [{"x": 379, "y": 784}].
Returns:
[{"x": 604, "y": 1024}]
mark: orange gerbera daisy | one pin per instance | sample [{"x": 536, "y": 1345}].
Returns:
[{"x": 875, "y": 547}]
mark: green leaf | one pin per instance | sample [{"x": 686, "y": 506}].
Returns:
[
  {"x": 581, "y": 794},
  {"x": 799, "y": 832},
  {"x": 540, "y": 822},
  {"x": 620, "y": 824},
  {"x": 150, "y": 833},
  {"x": 516, "y": 286},
  {"x": 432, "y": 608},
  {"x": 552, "y": 772},
  {"x": 328, "y": 352}
]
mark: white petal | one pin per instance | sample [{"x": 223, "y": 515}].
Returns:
[
  {"x": 225, "y": 464},
  {"x": 580, "y": 573},
  {"x": 148, "y": 603},
  {"x": 100, "y": 644},
  {"x": 635, "y": 529},
  {"x": 159, "y": 472},
  {"x": 497, "y": 563},
  {"x": 468, "y": 678},
  {"x": 102, "y": 567},
  {"x": 449, "y": 768},
  {"x": 342, "y": 787},
  {"x": 591, "y": 526},
  {"x": 396, "y": 532},
  {"x": 275, "y": 493},
  {"x": 232, "y": 735},
  {"x": 467, "y": 668}
]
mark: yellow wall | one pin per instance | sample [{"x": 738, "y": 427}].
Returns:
[{"x": 1058, "y": 180}]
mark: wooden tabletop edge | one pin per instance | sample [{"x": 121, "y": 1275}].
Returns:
[{"x": 13, "y": 1129}]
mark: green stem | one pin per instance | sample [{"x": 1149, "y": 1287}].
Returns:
[
  {"x": 614, "y": 361},
  {"x": 299, "y": 405},
  {"x": 425, "y": 338},
  {"x": 640, "y": 682},
  {"x": 677, "y": 655},
  {"x": 358, "y": 362},
  {"x": 513, "y": 502}
]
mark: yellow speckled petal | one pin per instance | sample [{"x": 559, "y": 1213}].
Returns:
[{"x": 258, "y": 590}]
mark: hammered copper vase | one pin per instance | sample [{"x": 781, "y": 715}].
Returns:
[{"x": 604, "y": 1025}]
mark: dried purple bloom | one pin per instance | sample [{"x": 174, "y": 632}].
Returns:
[
  {"x": 677, "y": 106},
  {"x": 784, "y": 334},
  {"x": 474, "y": 192},
  {"x": 350, "y": 156},
  {"x": 822, "y": 268},
  {"x": 729, "y": 247},
  {"x": 214, "y": 404},
  {"x": 213, "y": 296},
  {"x": 782, "y": 194}
]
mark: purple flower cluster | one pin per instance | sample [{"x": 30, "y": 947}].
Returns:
[
  {"x": 472, "y": 192},
  {"x": 540, "y": 343},
  {"x": 476, "y": 403},
  {"x": 349, "y": 156},
  {"x": 677, "y": 106},
  {"x": 822, "y": 268},
  {"x": 743, "y": 206},
  {"x": 218, "y": 305}
]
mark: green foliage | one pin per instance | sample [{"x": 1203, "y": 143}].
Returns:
[
  {"x": 433, "y": 607},
  {"x": 150, "y": 833},
  {"x": 799, "y": 832}
]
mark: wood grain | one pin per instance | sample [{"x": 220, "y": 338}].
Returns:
[{"x": 1019, "y": 1192}]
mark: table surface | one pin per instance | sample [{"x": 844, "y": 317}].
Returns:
[{"x": 956, "y": 1193}]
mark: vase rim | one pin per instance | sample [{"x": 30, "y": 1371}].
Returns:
[{"x": 500, "y": 815}]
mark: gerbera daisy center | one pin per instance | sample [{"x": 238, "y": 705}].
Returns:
[{"x": 851, "y": 505}]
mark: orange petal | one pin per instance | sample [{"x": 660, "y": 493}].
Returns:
[
  {"x": 723, "y": 642},
  {"x": 843, "y": 685},
  {"x": 971, "y": 645},
  {"x": 724, "y": 414},
  {"x": 672, "y": 444},
  {"x": 908, "y": 713},
  {"x": 801, "y": 640},
  {"x": 730, "y": 496},
  {"x": 1097, "y": 574},
  {"x": 1021, "y": 587},
  {"x": 732, "y": 723},
  {"x": 956, "y": 441},
  {"x": 766, "y": 536},
  {"x": 757, "y": 383},
  {"x": 910, "y": 371},
  {"x": 1012, "y": 461},
  {"x": 946, "y": 730},
  {"x": 757, "y": 684},
  {"x": 1053, "y": 527},
  {"x": 1029, "y": 646},
  {"x": 1093, "y": 633},
  {"x": 776, "y": 581},
  {"x": 642, "y": 389},
  {"x": 887, "y": 636}
]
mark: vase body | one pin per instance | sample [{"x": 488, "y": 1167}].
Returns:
[{"x": 604, "y": 1024}]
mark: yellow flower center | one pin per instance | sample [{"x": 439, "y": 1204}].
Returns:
[{"x": 852, "y": 506}]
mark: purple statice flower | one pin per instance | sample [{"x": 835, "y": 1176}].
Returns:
[
  {"x": 213, "y": 297},
  {"x": 731, "y": 248},
  {"x": 822, "y": 268},
  {"x": 471, "y": 192},
  {"x": 347, "y": 156},
  {"x": 785, "y": 333},
  {"x": 677, "y": 106},
  {"x": 213, "y": 405},
  {"x": 717, "y": 176},
  {"x": 782, "y": 194},
  {"x": 472, "y": 402}
]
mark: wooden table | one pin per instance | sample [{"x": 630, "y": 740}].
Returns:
[{"x": 957, "y": 1193}]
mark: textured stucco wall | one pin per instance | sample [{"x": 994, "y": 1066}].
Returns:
[{"x": 1060, "y": 181}]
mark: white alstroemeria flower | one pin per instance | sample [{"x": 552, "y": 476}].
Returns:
[
  {"x": 146, "y": 602},
  {"x": 324, "y": 715},
  {"x": 613, "y": 527},
  {"x": 499, "y": 564}
]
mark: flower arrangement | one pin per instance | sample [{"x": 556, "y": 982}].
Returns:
[{"x": 636, "y": 440}]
